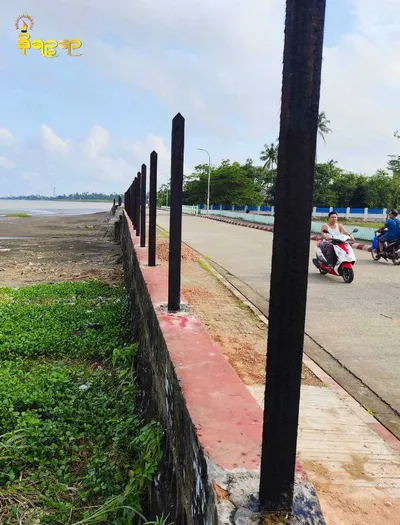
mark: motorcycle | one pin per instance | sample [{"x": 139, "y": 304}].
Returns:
[
  {"x": 345, "y": 258},
  {"x": 391, "y": 250}
]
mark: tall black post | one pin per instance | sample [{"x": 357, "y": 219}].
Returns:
[
  {"x": 119, "y": 200},
  {"x": 127, "y": 204},
  {"x": 302, "y": 63},
  {"x": 143, "y": 207},
  {"x": 132, "y": 200},
  {"x": 153, "y": 208},
  {"x": 137, "y": 205},
  {"x": 175, "y": 218}
]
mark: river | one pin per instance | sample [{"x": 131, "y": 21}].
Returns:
[{"x": 43, "y": 207}]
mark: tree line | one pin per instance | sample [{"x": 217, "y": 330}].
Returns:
[
  {"x": 239, "y": 184},
  {"x": 86, "y": 196}
]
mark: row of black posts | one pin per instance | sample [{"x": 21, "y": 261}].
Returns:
[
  {"x": 135, "y": 200},
  {"x": 304, "y": 29}
]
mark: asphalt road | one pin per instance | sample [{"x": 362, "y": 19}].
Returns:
[{"x": 357, "y": 323}]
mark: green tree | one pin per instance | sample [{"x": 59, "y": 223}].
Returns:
[
  {"x": 323, "y": 128},
  {"x": 163, "y": 195},
  {"x": 325, "y": 174},
  {"x": 269, "y": 155},
  {"x": 344, "y": 186},
  {"x": 230, "y": 184},
  {"x": 379, "y": 189}
]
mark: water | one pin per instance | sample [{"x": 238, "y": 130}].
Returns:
[{"x": 52, "y": 207}]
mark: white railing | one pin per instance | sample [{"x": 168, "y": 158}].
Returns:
[{"x": 191, "y": 210}]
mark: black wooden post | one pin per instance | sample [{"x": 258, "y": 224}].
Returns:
[
  {"x": 153, "y": 208},
  {"x": 175, "y": 218},
  {"x": 113, "y": 202},
  {"x": 137, "y": 205},
  {"x": 143, "y": 207},
  {"x": 119, "y": 200},
  {"x": 133, "y": 203},
  {"x": 302, "y": 63},
  {"x": 130, "y": 202},
  {"x": 127, "y": 202}
]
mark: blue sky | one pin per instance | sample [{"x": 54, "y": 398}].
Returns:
[{"x": 88, "y": 123}]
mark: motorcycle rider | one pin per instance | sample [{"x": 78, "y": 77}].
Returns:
[
  {"x": 393, "y": 230},
  {"x": 334, "y": 228}
]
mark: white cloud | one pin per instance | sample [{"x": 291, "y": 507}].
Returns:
[
  {"x": 6, "y": 137},
  {"x": 98, "y": 162},
  {"x": 96, "y": 142},
  {"x": 220, "y": 64},
  {"x": 51, "y": 142},
  {"x": 6, "y": 163}
]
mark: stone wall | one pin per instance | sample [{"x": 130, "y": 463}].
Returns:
[{"x": 213, "y": 426}]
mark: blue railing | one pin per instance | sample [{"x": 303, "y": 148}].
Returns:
[{"x": 320, "y": 211}]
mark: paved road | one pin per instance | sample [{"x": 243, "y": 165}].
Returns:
[{"x": 359, "y": 324}]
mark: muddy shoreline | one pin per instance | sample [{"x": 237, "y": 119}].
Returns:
[{"x": 64, "y": 248}]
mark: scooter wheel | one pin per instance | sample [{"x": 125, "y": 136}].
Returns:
[
  {"x": 375, "y": 256},
  {"x": 348, "y": 275},
  {"x": 396, "y": 261},
  {"x": 322, "y": 272}
]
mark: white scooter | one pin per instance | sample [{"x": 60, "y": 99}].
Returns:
[{"x": 345, "y": 258}]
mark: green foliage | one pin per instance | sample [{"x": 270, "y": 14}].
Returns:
[
  {"x": 68, "y": 319},
  {"x": 163, "y": 195},
  {"x": 269, "y": 155},
  {"x": 230, "y": 184},
  {"x": 238, "y": 184},
  {"x": 18, "y": 215},
  {"x": 323, "y": 128},
  {"x": 72, "y": 449}
]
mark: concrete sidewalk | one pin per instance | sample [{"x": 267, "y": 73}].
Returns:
[
  {"x": 344, "y": 322},
  {"x": 351, "y": 459}
]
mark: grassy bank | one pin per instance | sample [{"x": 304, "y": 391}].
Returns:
[
  {"x": 352, "y": 222},
  {"x": 20, "y": 215},
  {"x": 72, "y": 448}
]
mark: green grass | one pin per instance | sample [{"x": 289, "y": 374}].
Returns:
[
  {"x": 21, "y": 215},
  {"x": 72, "y": 449},
  {"x": 162, "y": 232},
  {"x": 204, "y": 265}
]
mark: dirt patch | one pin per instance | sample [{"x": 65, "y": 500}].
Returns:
[
  {"x": 356, "y": 468},
  {"x": 241, "y": 335},
  {"x": 341, "y": 506},
  {"x": 163, "y": 251},
  {"x": 50, "y": 249}
]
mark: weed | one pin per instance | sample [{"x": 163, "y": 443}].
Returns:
[
  {"x": 20, "y": 215},
  {"x": 72, "y": 449},
  {"x": 204, "y": 265},
  {"x": 162, "y": 232}
]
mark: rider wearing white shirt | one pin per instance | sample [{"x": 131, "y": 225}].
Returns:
[{"x": 334, "y": 228}]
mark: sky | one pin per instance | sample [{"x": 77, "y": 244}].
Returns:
[{"x": 88, "y": 123}]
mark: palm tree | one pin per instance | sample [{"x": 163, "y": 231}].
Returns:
[
  {"x": 322, "y": 128},
  {"x": 269, "y": 155},
  {"x": 323, "y": 125}
]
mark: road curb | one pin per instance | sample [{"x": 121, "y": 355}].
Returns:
[{"x": 314, "y": 237}]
